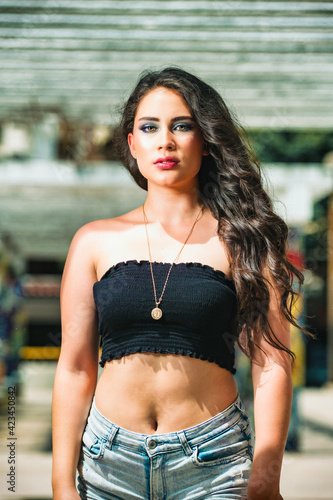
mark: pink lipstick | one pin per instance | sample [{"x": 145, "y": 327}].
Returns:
[{"x": 166, "y": 163}]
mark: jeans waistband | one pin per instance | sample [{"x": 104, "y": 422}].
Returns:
[{"x": 154, "y": 443}]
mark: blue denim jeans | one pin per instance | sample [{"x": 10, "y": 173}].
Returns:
[{"x": 211, "y": 460}]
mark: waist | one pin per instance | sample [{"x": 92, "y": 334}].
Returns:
[
  {"x": 154, "y": 393},
  {"x": 195, "y": 435}
]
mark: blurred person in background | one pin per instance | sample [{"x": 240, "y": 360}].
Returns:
[
  {"x": 13, "y": 316},
  {"x": 170, "y": 287}
]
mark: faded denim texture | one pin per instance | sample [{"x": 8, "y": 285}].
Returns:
[{"x": 211, "y": 460}]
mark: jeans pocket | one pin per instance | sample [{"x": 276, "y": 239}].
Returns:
[
  {"x": 222, "y": 449},
  {"x": 92, "y": 445}
]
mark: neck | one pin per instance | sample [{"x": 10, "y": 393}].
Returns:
[{"x": 170, "y": 207}]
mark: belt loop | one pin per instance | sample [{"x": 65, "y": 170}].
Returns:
[
  {"x": 113, "y": 432},
  {"x": 183, "y": 441},
  {"x": 238, "y": 402}
]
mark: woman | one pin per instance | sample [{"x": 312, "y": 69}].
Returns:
[{"x": 170, "y": 286}]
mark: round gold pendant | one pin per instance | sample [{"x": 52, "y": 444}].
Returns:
[{"x": 156, "y": 313}]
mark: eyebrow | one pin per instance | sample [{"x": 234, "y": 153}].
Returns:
[{"x": 154, "y": 119}]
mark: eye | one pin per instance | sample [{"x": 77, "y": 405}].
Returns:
[
  {"x": 148, "y": 128},
  {"x": 183, "y": 127}
]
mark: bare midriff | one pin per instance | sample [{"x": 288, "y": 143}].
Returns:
[{"x": 161, "y": 393}]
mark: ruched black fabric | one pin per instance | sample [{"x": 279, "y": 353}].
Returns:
[{"x": 199, "y": 312}]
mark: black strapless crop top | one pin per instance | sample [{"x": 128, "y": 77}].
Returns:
[{"x": 199, "y": 312}]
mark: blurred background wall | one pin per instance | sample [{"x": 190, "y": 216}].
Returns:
[{"x": 66, "y": 65}]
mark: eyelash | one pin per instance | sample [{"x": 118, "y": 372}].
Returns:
[
  {"x": 186, "y": 127},
  {"x": 145, "y": 128}
]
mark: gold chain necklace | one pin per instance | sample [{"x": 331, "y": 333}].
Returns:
[{"x": 156, "y": 313}]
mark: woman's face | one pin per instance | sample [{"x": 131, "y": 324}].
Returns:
[{"x": 166, "y": 141}]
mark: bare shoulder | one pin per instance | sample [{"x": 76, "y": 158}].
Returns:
[
  {"x": 93, "y": 241},
  {"x": 88, "y": 233}
]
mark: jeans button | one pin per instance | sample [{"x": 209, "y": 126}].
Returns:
[{"x": 152, "y": 444}]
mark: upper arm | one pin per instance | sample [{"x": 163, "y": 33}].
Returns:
[
  {"x": 265, "y": 354},
  {"x": 80, "y": 339}
]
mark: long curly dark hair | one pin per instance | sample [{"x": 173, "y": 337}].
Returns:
[{"x": 230, "y": 184}]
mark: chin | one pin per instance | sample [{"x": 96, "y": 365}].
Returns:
[{"x": 172, "y": 178}]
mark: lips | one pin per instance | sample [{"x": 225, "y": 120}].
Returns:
[{"x": 166, "y": 163}]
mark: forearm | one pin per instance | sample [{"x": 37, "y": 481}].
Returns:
[
  {"x": 272, "y": 407},
  {"x": 72, "y": 395}
]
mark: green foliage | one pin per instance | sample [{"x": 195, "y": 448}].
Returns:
[{"x": 291, "y": 146}]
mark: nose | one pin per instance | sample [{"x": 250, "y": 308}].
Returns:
[{"x": 166, "y": 140}]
